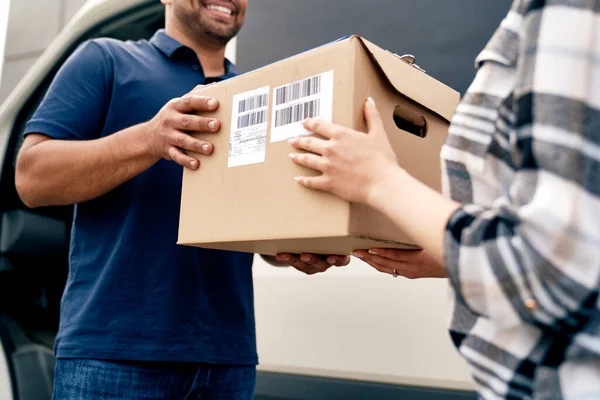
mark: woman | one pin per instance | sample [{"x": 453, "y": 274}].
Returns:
[{"x": 518, "y": 232}]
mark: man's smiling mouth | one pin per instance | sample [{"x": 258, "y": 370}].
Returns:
[{"x": 220, "y": 9}]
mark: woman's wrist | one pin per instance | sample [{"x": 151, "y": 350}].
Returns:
[{"x": 387, "y": 184}]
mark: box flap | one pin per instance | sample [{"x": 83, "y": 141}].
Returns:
[{"x": 412, "y": 82}]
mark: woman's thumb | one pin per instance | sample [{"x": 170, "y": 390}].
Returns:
[{"x": 373, "y": 118}]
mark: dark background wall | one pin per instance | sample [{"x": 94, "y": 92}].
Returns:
[{"x": 444, "y": 35}]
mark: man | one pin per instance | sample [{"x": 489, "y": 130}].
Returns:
[{"x": 142, "y": 317}]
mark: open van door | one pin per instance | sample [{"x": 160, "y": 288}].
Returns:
[{"x": 34, "y": 243}]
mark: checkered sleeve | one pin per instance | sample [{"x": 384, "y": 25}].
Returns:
[{"x": 534, "y": 255}]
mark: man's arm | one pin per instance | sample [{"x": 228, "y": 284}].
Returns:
[
  {"x": 63, "y": 172},
  {"x": 65, "y": 158}
]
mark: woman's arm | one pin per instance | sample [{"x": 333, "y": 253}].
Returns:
[{"x": 533, "y": 255}]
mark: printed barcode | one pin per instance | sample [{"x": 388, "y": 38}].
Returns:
[
  {"x": 298, "y": 90},
  {"x": 297, "y": 113},
  {"x": 255, "y": 118},
  {"x": 254, "y": 102}
]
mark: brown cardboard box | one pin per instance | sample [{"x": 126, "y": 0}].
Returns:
[{"x": 246, "y": 199}]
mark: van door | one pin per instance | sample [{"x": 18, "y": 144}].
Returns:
[{"x": 34, "y": 243}]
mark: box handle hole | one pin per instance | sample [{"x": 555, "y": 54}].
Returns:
[{"x": 410, "y": 121}]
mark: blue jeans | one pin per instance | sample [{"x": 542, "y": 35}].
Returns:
[{"x": 77, "y": 379}]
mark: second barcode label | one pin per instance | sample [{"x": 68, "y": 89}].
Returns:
[{"x": 309, "y": 98}]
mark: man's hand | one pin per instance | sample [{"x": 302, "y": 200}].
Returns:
[
  {"x": 168, "y": 134},
  {"x": 312, "y": 264}
]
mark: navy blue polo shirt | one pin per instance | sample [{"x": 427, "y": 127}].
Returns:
[{"x": 132, "y": 292}]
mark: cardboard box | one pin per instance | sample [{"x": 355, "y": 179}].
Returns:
[{"x": 244, "y": 196}]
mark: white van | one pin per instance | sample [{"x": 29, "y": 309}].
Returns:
[{"x": 351, "y": 333}]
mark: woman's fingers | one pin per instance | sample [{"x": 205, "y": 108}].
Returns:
[
  {"x": 311, "y": 144},
  {"x": 399, "y": 269},
  {"x": 414, "y": 256},
  {"x": 322, "y": 127},
  {"x": 314, "y": 182},
  {"x": 410, "y": 270},
  {"x": 309, "y": 160}
]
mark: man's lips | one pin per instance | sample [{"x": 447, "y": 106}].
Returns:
[{"x": 220, "y": 9}]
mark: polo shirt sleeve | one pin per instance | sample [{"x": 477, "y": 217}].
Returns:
[{"x": 76, "y": 103}]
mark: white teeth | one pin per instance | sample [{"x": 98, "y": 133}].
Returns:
[{"x": 222, "y": 9}]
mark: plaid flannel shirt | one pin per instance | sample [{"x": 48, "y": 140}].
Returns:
[{"x": 523, "y": 253}]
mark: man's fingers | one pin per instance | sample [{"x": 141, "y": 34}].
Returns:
[
  {"x": 315, "y": 261},
  {"x": 373, "y": 118},
  {"x": 190, "y": 143},
  {"x": 284, "y": 257},
  {"x": 191, "y": 103},
  {"x": 312, "y": 144},
  {"x": 182, "y": 159},
  {"x": 195, "y": 123},
  {"x": 301, "y": 266},
  {"x": 308, "y": 263},
  {"x": 338, "y": 261}
]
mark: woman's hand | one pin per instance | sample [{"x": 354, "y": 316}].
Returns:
[
  {"x": 353, "y": 164},
  {"x": 411, "y": 264},
  {"x": 362, "y": 168}
]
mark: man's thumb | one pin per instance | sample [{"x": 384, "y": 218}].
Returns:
[{"x": 373, "y": 118}]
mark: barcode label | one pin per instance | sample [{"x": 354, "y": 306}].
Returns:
[
  {"x": 308, "y": 98},
  {"x": 298, "y": 90},
  {"x": 253, "y": 103},
  {"x": 297, "y": 113},
  {"x": 255, "y": 118},
  {"x": 249, "y": 119}
]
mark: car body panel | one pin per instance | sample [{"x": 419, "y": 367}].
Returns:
[{"x": 6, "y": 391}]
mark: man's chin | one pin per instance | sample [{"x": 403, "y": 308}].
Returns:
[
  {"x": 218, "y": 37},
  {"x": 221, "y": 35}
]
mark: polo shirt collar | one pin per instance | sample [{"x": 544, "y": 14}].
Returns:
[
  {"x": 169, "y": 46},
  {"x": 165, "y": 43}
]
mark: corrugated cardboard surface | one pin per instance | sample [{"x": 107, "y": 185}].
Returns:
[
  {"x": 419, "y": 156},
  {"x": 260, "y": 208}
]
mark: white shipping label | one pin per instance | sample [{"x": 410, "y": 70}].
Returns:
[
  {"x": 292, "y": 103},
  {"x": 249, "y": 120}
]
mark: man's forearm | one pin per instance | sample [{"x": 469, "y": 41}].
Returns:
[{"x": 59, "y": 172}]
